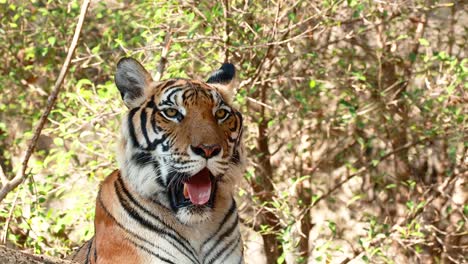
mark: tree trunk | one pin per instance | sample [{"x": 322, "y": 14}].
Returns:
[{"x": 264, "y": 189}]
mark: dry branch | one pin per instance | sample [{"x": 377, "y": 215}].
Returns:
[
  {"x": 226, "y": 30},
  {"x": 397, "y": 227},
  {"x": 164, "y": 52},
  {"x": 366, "y": 168},
  {"x": 21, "y": 175}
]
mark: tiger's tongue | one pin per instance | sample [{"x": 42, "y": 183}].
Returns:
[{"x": 199, "y": 187}]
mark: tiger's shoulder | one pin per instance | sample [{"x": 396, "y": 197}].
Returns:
[{"x": 109, "y": 244}]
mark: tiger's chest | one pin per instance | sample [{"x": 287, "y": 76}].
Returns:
[
  {"x": 150, "y": 242},
  {"x": 129, "y": 231}
]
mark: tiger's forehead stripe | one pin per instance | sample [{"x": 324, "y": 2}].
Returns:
[
  {"x": 189, "y": 92},
  {"x": 167, "y": 98},
  {"x": 218, "y": 100}
]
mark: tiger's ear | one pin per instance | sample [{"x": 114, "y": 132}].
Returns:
[
  {"x": 223, "y": 79},
  {"x": 132, "y": 80}
]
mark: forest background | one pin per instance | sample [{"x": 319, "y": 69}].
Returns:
[{"x": 355, "y": 114}]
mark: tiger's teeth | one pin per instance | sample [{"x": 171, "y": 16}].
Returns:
[{"x": 186, "y": 195}]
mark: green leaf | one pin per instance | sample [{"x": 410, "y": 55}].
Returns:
[
  {"x": 412, "y": 57},
  {"x": 315, "y": 197},
  {"x": 96, "y": 49},
  {"x": 83, "y": 82},
  {"x": 354, "y": 199},
  {"x": 312, "y": 84},
  {"x": 52, "y": 41},
  {"x": 424, "y": 42},
  {"x": 410, "y": 205},
  {"x": 58, "y": 142},
  {"x": 281, "y": 259},
  {"x": 271, "y": 123},
  {"x": 402, "y": 36},
  {"x": 332, "y": 226}
]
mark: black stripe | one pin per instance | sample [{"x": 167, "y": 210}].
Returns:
[
  {"x": 170, "y": 82},
  {"x": 227, "y": 233},
  {"x": 187, "y": 96},
  {"x": 135, "y": 215},
  {"x": 142, "y": 158},
  {"x": 95, "y": 253},
  {"x": 157, "y": 169},
  {"x": 89, "y": 250},
  {"x": 153, "y": 122},
  {"x": 131, "y": 127},
  {"x": 235, "y": 157},
  {"x": 145, "y": 223},
  {"x": 165, "y": 147},
  {"x": 241, "y": 119},
  {"x": 236, "y": 124},
  {"x": 173, "y": 91},
  {"x": 231, "y": 246},
  {"x": 143, "y": 123},
  {"x": 152, "y": 253},
  {"x": 135, "y": 235},
  {"x": 156, "y": 142},
  {"x": 166, "y": 102},
  {"x": 232, "y": 209},
  {"x": 79, "y": 249},
  {"x": 151, "y": 103},
  {"x": 157, "y": 218}
]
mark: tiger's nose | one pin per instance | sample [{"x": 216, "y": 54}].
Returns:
[{"x": 206, "y": 151}]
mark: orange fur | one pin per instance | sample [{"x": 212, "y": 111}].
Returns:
[{"x": 137, "y": 220}]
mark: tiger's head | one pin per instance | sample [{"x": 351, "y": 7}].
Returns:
[{"x": 181, "y": 140}]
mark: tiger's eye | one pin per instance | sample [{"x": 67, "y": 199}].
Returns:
[
  {"x": 171, "y": 112},
  {"x": 221, "y": 113}
]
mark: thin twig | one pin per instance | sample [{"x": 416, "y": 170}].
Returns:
[
  {"x": 226, "y": 30},
  {"x": 4, "y": 236},
  {"x": 407, "y": 220},
  {"x": 260, "y": 103},
  {"x": 367, "y": 167},
  {"x": 3, "y": 178},
  {"x": 21, "y": 175},
  {"x": 164, "y": 52}
]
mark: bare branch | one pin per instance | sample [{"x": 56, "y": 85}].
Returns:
[
  {"x": 396, "y": 227},
  {"x": 367, "y": 167},
  {"x": 226, "y": 30},
  {"x": 4, "y": 236},
  {"x": 3, "y": 178},
  {"x": 164, "y": 52},
  {"x": 21, "y": 175}
]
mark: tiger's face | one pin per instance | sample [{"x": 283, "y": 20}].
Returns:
[{"x": 181, "y": 144}]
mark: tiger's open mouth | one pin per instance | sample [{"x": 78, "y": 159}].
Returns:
[{"x": 197, "y": 190}]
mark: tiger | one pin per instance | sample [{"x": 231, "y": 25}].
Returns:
[{"x": 180, "y": 156}]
